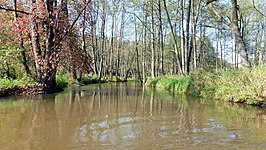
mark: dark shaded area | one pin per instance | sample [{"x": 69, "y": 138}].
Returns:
[{"x": 29, "y": 91}]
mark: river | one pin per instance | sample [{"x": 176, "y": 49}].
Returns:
[{"x": 127, "y": 116}]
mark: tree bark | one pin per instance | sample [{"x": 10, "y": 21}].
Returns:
[
  {"x": 161, "y": 42},
  {"x": 21, "y": 43},
  {"x": 188, "y": 44},
  {"x": 46, "y": 61},
  {"x": 100, "y": 70},
  {"x": 182, "y": 37},
  {"x": 152, "y": 42},
  {"x": 241, "y": 47}
]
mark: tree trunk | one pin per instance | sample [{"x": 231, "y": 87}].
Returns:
[
  {"x": 121, "y": 36},
  {"x": 137, "y": 51},
  {"x": 152, "y": 42},
  {"x": 179, "y": 64},
  {"x": 94, "y": 18},
  {"x": 103, "y": 40},
  {"x": 240, "y": 46},
  {"x": 183, "y": 38},
  {"x": 45, "y": 62},
  {"x": 143, "y": 50},
  {"x": 188, "y": 45},
  {"x": 234, "y": 27},
  {"x": 161, "y": 42},
  {"x": 21, "y": 43}
]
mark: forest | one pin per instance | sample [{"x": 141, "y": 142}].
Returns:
[{"x": 45, "y": 42}]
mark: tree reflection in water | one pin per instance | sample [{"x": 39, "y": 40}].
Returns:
[{"x": 121, "y": 116}]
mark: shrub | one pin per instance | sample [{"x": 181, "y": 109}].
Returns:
[
  {"x": 18, "y": 83},
  {"x": 64, "y": 79}
]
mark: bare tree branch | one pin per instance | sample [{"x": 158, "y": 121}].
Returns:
[
  {"x": 218, "y": 14},
  {"x": 214, "y": 27},
  {"x": 209, "y": 1},
  {"x": 73, "y": 24},
  {"x": 10, "y": 9},
  {"x": 253, "y": 3}
]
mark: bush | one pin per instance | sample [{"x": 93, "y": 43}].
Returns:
[{"x": 64, "y": 79}]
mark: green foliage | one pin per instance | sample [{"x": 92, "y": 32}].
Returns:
[
  {"x": 92, "y": 80},
  {"x": 11, "y": 65},
  {"x": 202, "y": 81},
  {"x": 177, "y": 83},
  {"x": 64, "y": 79},
  {"x": 152, "y": 82},
  {"x": 241, "y": 86},
  {"x": 18, "y": 83}
]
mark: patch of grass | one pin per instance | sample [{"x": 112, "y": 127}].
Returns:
[
  {"x": 176, "y": 83},
  {"x": 92, "y": 80},
  {"x": 17, "y": 83},
  {"x": 64, "y": 79},
  {"x": 152, "y": 81}
]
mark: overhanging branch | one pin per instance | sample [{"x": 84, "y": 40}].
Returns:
[
  {"x": 207, "y": 2},
  {"x": 10, "y": 9},
  {"x": 253, "y": 3},
  {"x": 73, "y": 24}
]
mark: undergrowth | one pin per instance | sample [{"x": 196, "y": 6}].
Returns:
[
  {"x": 64, "y": 79},
  {"x": 17, "y": 83},
  {"x": 241, "y": 86}
]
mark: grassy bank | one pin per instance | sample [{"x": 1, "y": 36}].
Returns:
[
  {"x": 242, "y": 86},
  {"x": 29, "y": 86}
]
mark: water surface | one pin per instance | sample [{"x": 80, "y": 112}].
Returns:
[{"x": 127, "y": 116}]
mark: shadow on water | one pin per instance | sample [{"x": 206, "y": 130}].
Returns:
[{"x": 122, "y": 116}]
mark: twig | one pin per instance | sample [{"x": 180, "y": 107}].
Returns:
[{"x": 253, "y": 3}]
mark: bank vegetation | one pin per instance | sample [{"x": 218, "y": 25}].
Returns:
[{"x": 241, "y": 86}]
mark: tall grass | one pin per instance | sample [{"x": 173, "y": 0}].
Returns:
[
  {"x": 17, "y": 83},
  {"x": 176, "y": 83},
  {"x": 64, "y": 79},
  {"x": 242, "y": 85}
]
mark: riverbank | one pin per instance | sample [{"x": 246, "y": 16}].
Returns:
[
  {"x": 10, "y": 87},
  {"x": 241, "y": 86}
]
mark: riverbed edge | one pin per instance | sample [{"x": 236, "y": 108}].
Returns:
[{"x": 30, "y": 90}]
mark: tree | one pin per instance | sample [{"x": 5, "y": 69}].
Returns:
[
  {"x": 44, "y": 17},
  {"x": 234, "y": 27}
]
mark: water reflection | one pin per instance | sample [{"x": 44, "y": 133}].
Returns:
[{"x": 127, "y": 116}]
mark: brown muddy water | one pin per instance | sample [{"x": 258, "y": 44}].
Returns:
[{"x": 127, "y": 116}]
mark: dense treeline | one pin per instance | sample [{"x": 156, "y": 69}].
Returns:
[{"x": 128, "y": 38}]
